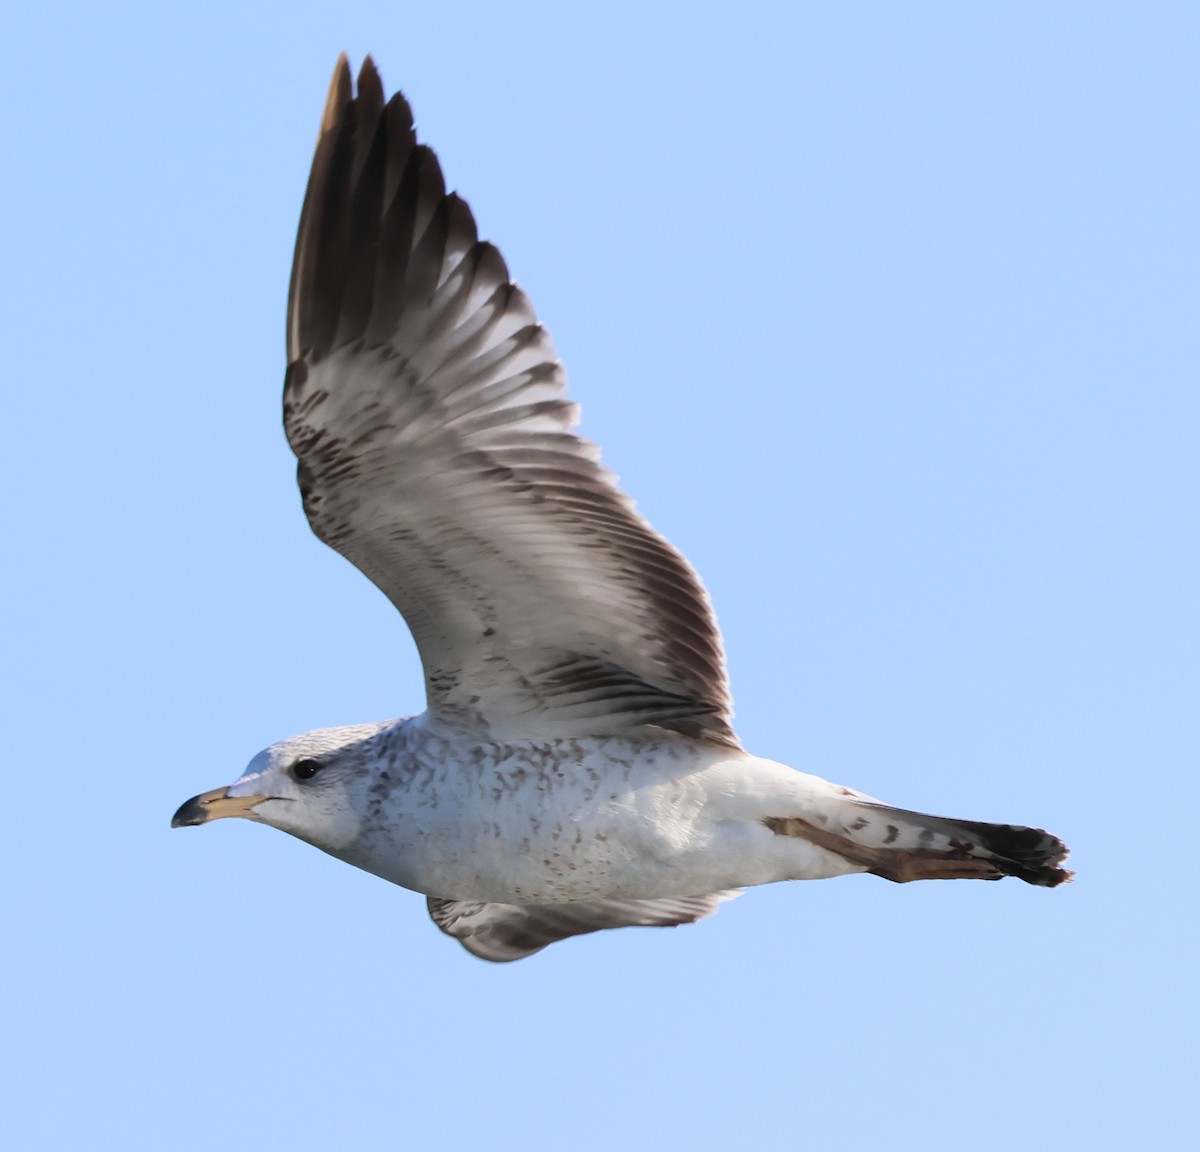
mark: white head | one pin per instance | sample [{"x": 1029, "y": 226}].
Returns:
[{"x": 314, "y": 786}]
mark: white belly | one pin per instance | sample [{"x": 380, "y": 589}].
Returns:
[{"x": 584, "y": 819}]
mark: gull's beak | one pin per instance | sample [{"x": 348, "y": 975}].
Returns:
[{"x": 213, "y": 805}]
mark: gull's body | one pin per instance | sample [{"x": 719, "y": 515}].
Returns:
[
  {"x": 633, "y": 817},
  {"x": 576, "y": 768}
]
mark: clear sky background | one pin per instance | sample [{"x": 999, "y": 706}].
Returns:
[{"x": 886, "y": 314}]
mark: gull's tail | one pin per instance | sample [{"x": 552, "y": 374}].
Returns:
[{"x": 900, "y": 845}]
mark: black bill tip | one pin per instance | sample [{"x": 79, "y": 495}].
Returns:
[{"x": 190, "y": 812}]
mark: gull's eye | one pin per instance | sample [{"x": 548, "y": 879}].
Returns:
[{"x": 305, "y": 769}]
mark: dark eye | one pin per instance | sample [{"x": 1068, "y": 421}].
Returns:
[{"x": 306, "y": 769}]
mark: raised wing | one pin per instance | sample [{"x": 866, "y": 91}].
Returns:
[{"x": 428, "y": 411}]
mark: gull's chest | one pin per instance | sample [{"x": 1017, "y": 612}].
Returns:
[{"x": 566, "y": 820}]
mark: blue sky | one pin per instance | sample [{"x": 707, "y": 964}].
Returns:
[{"x": 885, "y": 313}]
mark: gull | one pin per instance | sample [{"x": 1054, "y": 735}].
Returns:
[{"x": 575, "y": 768}]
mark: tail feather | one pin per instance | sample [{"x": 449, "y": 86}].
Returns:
[
  {"x": 1030, "y": 854},
  {"x": 901, "y": 845}
]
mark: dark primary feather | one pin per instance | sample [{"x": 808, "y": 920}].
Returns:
[{"x": 428, "y": 410}]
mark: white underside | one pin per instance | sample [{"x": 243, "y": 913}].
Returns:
[{"x": 621, "y": 817}]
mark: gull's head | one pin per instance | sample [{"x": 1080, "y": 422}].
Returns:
[{"x": 313, "y": 786}]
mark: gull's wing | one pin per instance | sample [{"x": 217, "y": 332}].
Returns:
[
  {"x": 502, "y": 932},
  {"x": 429, "y": 413}
]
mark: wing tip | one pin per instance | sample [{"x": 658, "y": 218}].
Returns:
[
  {"x": 370, "y": 84},
  {"x": 340, "y": 92}
]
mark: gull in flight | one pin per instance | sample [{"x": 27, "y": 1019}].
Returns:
[{"x": 575, "y": 768}]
